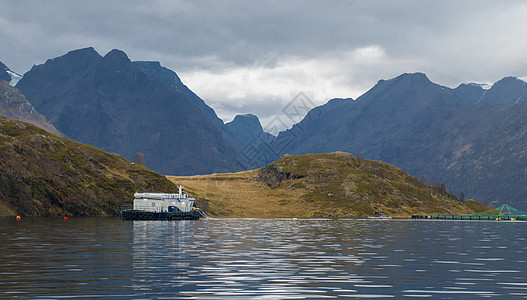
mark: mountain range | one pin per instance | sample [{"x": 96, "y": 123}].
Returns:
[
  {"x": 471, "y": 137},
  {"x": 509, "y": 90},
  {"x": 129, "y": 108},
  {"x": 475, "y": 144}
]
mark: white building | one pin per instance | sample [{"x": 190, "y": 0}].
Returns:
[{"x": 162, "y": 202}]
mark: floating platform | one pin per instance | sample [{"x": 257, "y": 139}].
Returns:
[
  {"x": 472, "y": 218},
  {"x": 162, "y": 206},
  {"x": 132, "y": 214}
]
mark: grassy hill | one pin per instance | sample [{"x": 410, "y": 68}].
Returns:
[
  {"x": 321, "y": 185},
  {"x": 42, "y": 174}
]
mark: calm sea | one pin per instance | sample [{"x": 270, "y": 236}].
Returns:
[{"x": 46, "y": 258}]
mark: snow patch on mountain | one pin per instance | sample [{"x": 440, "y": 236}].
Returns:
[
  {"x": 485, "y": 86},
  {"x": 15, "y": 78}
]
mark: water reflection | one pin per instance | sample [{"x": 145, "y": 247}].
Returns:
[{"x": 256, "y": 259}]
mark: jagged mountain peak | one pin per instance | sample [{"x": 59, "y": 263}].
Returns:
[
  {"x": 245, "y": 125},
  {"x": 413, "y": 76},
  {"x": 408, "y": 90},
  {"x": 405, "y": 83},
  {"x": 417, "y": 78},
  {"x": 82, "y": 54},
  {"x": 246, "y": 118},
  {"x": 111, "y": 103},
  {"x": 116, "y": 55},
  {"x": 116, "y": 61},
  {"x": 87, "y": 51},
  {"x": 510, "y": 79},
  {"x": 509, "y": 90}
]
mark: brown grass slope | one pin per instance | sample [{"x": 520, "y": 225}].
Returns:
[
  {"x": 321, "y": 185},
  {"x": 42, "y": 174}
]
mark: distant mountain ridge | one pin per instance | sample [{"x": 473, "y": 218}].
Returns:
[
  {"x": 109, "y": 102},
  {"x": 430, "y": 131},
  {"x": 246, "y": 130},
  {"x": 509, "y": 90}
]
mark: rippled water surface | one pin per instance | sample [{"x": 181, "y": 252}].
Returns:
[{"x": 44, "y": 258}]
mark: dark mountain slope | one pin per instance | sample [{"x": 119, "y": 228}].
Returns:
[
  {"x": 470, "y": 93},
  {"x": 45, "y": 175},
  {"x": 509, "y": 90},
  {"x": 483, "y": 153},
  {"x": 386, "y": 123},
  {"x": 171, "y": 80},
  {"x": 51, "y": 87},
  {"x": 112, "y": 104},
  {"x": 316, "y": 133},
  {"x": 244, "y": 132}
]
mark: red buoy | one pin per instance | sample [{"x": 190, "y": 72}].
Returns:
[{"x": 65, "y": 218}]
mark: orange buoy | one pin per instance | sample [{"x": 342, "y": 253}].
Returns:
[{"x": 18, "y": 217}]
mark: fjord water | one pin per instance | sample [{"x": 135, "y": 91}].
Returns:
[{"x": 46, "y": 258}]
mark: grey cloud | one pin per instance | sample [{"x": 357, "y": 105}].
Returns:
[
  {"x": 451, "y": 40},
  {"x": 240, "y": 32}
]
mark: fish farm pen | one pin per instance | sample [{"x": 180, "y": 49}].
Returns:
[
  {"x": 502, "y": 213},
  {"x": 469, "y": 217}
]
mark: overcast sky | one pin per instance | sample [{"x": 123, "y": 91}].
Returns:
[{"x": 257, "y": 56}]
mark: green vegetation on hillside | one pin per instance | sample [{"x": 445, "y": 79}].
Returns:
[
  {"x": 42, "y": 174},
  {"x": 322, "y": 185}
]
